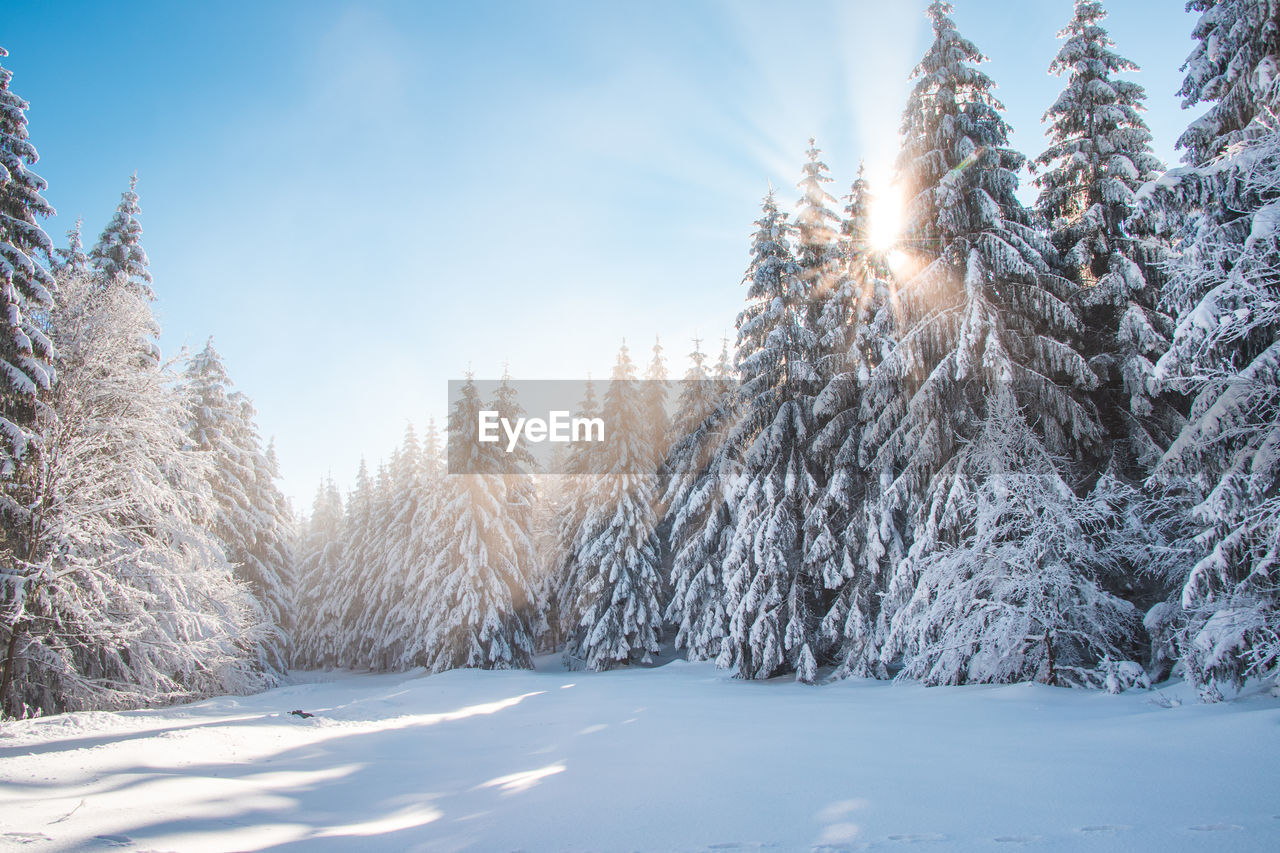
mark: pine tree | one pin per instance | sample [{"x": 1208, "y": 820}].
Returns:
[
  {"x": 773, "y": 603},
  {"x": 354, "y": 583},
  {"x": 251, "y": 519},
  {"x": 580, "y": 474},
  {"x": 653, "y": 407},
  {"x": 408, "y": 616},
  {"x": 853, "y": 342},
  {"x": 816, "y": 229},
  {"x": 619, "y": 616},
  {"x": 1233, "y": 67},
  {"x": 118, "y": 255},
  {"x": 26, "y": 352},
  {"x": 1099, "y": 156},
  {"x": 697, "y": 516},
  {"x": 1021, "y": 597},
  {"x": 119, "y": 596},
  {"x": 519, "y": 468},
  {"x": 984, "y": 311},
  {"x": 480, "y": 596},
  {"x": 320, "y": 563},
  {"x": 405, "y": 493},
  {"x": 72, "y": 260},
  {"x": 1225, "y": 351}
]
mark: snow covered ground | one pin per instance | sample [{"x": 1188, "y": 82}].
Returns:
[{"x": 672, "y": 758}]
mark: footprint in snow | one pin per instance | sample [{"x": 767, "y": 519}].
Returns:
[
  {"x": 114, "y": 840},
  {"x": 25, "y": 837},
  {"x": 1215, "y": 827}
]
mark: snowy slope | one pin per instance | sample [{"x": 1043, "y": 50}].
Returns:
[{"x": 672, "y": 758}]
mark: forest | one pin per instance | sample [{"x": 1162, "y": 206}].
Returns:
[{"x": 1016, "y": 443}]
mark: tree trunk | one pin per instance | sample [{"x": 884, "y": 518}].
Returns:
[{"x": 10, "y": 661}]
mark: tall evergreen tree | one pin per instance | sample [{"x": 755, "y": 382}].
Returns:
[
  {"x": 1099, "y": 155},
  {"x": 405, "y": 495},
  {"x": 119, "y": 596},
  {"x": 853, "y": 341},
  {"x": 696, "y": 513},
  {"x": 26, "y": 352},
  {"x": 480, "y": 600},
  {"x": 118, "y": 255},
  {"x": 984, "y": 311},
  {"x": 320, "y": 564},
  {"x": 580, "y": 474},
  {"x": 1225, "y": 351},
  {"x": 772, "y": 601},
  {"x": 72, "y": 259},
  {"x": 251, "y": 518},
  {"x": 817, "y": 228},
  {"x": 407, "y": 620},
  {"x": 619, "y": 616}
]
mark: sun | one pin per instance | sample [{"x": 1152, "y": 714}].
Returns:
[{"x": 886, "y": 216}]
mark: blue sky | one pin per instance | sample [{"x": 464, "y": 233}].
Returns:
[{"x": 360, "y": 201}]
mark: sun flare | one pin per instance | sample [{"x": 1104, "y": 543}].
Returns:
[{"x": 886, "y": 217}]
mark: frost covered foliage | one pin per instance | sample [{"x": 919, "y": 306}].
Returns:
[
  {"x": 117, "y": 596},
  {"x": 25, "y": 284},
  {"x": 617, "y": 617},
  {"x": 983, "y": 314},
  {"x": 251, "y": 518},
  {"x": 771, "y": 597},
  {"x": 1021, "y": 597},
  {"x": 1100, "y": 148},
  {"x": 403, "y": 496},
  {"x": 578, "y": 479},
  {"x": 697, "y": 513},
  {"x": 1234, "y": 68},
  {"x": 481, "y": 560},
  {"x": 118, "y": 255},
  {"x": 1099, "y": 156},
  {"x": 319, "y": 559},
  {"x": 1226, "y": 349},
  {"x": 854, "y": 337},
  {"x": 364, "y": 577}
]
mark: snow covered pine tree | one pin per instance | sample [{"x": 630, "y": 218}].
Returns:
[
  {"x": 1225, "y": 351},
  {"x": 983, "y": 317}
]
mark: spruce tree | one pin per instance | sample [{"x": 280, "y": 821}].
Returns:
[
  {"x": 72, "y": 259},
  {"x": 853, "y": 342},
  {"x": 1098, "y": 158},
  {"x": 118, "y": 255},
  {"x": 251, "y": 519},
  {"x": 772, "y": 600},
  {"x": 817, "y": 227},
  {"x": 580, "y": 474},
  {"x": 983, "y": 312},
  {"x": 618, "y": 586},
  {"x": 320, "y": 564},
  {"x": 26, "y": 352},
  {"x": 122, "y": 597},
  {"x": 1225, "y": 351},
  {"x": 405, "y": 494},
  {"x": 1021, "y": 598},
  {"x": 480, "y": 596},
  {"x": 408, "y": 618},
  {"x": 696, "y": 513}
]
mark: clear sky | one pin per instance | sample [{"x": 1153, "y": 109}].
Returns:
[{"x": 362, "y": 200}]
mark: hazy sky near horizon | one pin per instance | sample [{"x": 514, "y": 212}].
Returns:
[{"x": 362, "y": 200}]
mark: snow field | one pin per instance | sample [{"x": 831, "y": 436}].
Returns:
[{"x": 675, "y": 758}]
